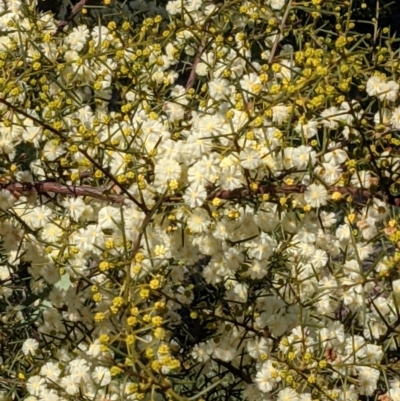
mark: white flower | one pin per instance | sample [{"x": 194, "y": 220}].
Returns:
[
  {"x": 307, "y": 397},
  {"x": 6, "y": 145},
  {"x": 308, "y": 130},
  {"x": 231, "y": 178},
  {"x": 368, "y": 378},
  {"x": 195, "y": 195},
  {"x": 31, "y": 133},
  {"x": 49, "y": 50},
  {"x": 209, "y": 124},
  {"x": 251, "y": 83},
  {"x": 165, "y": 171},
  {"x": 78, "y": 37},
  {"x": 257, "y": 270},
  {"x": 396, "y": 287},
  {"x": 219, "y": 89},
  {"x": 79, "y": 370},
  {"x": 210, "y": 273},
  {"x": 330, "y": 173},
  {"x": 198, "y": 144},
  {"x": 36, "y": 385},
  {"x": 101, "y": 33},
  {"x": 288, "y": 156},
  {"x": 52, "y": 150},
  {"x": 262, "y": 247},
  {"x": 383, "y": 116},
  {"x": 277, "y": 4},
  {"x": 288, "y": 68},
  {"x": 14, "y": 6},
  {"x": 4, "y": 273},
  {"x": 221, "y": 230},
  {"x": 174, "y": 111},
  {"x": 330, "y": 117},
  {"x": 75, "y": 206},
  {"x": 393, "y": 394},
  {"x": 373, "y": 353},
  {"x": 265, "y": 55},
  {"x": 240, "y": 289},
  {"x": 280, "y": 113},
  {"x": 49, "y": 395},
  {"x": 204, "y": 171},
  {"x": 30, "y": 346},
  {"x": 70, "y": 384},
  {"x": 258, "y": 347},
  {"x": 85, "y": 238},
  {"x": 201, "y": 352},
  {"x": 336, "y": 156},
  {"x": 51, "y": 371},
  {"x": 202, "y": 69},
  {"x": 28, "y": 398},
  {"x": 109, "y": 217},
  {"x": 367, "y": 227},
  {"x": 101, "y": 375},
  {"x": 267, "y": 377},
  {"x": 361, "y": 179},
  {"x": 250, "y": 159},
  {"x": 316, "y": 195},
  {"x": 350, "y": 111},
  {"x": 6, "y": 199},
  {"x": 389, "y": 91},
  {"x": 197, "y": 175},
  {"x": 343, "y": 232},
  {"x": 225, "y": 352},
  {"x": 288, "y": 394},
  {"x": 303, "y": 156},
  {"x": 374, "y": 86},
  {"x": 174, "y": 7},
  {"x": 51, "y": 233},
  {"x": 319, "y": 259},
  {"x": 199, "y": 221},
  {"x": 328, "y": 219},
  {"x": 395, "y": 118}
]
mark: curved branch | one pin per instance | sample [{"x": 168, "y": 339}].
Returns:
[
  {"x": 82, "y": 151},
  {"x": 44, "y": 187}
]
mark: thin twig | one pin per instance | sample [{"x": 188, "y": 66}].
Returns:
[
  {"x": 279, "y": 34},
  {"x": 234, "y": 370},
  {"x": 192, "y": 77},
  {"x": 75, "y": 10}
]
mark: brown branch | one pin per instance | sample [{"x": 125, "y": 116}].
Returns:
[
  {"x": 43, "y": 187},
  {"x": 192, "y": 77},
  {"x": 46, "y": 187},
  {"x": 58, "y": 133},
  {"x": 75, "y": 10}
]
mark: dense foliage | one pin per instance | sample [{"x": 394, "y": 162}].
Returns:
[{"x": 199, "y": 200}]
